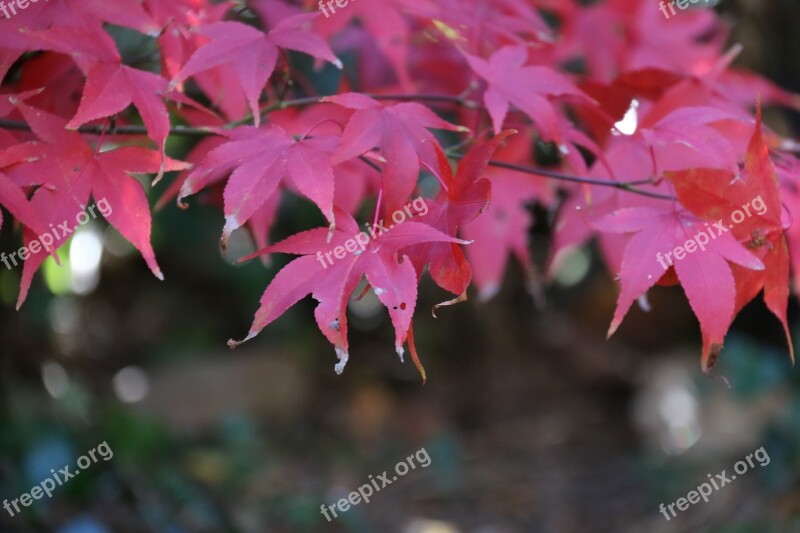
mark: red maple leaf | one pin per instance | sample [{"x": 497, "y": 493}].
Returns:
[
  {"x": 529, "y": 88},
  {"x": 331, "y": 279},
  {"x": 258, "y": 160},
  {"x": 400, "y": 131},
  {"x": 752, "y": 201},
  {"x": 705, "y": 275},
  {"x": 111, "y": 87},
  {"x": 463, "y": 197},
  {"x": 74, "y": 171},
  {"x": 252, "y": 53}
]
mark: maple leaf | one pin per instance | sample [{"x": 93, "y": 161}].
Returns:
[
  {"x": 84, "y": 44},
  {"x": 741, "y": 86},
  {"x": 74, "y": 172},
  {"x": 400, "y": 131},
  {"x": 705, "y": 275},
  {"x": 683, "y": 139},
  {"x": 488, "y": 21},
  {"x": 111, "y": 87},
  {"x": 252, "y": 53},
  {"x": 127, "y": 13},
  {"x": 716, "y": 195},
  {"x": 258, "y": 160},
  {"x": 463, "y": 197},
  {"x": 392, "y": 277},
  {"x": 528, "y": 88},
  {"x": 353, "y": 179},
  {"x": 694, "y": 137},
  {"x": 386, "y": 23},
  {"x": 700, "y": 34},
  {"x": 178, "y": 42}
]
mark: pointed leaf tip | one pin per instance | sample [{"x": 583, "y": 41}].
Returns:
[
  {"x": 343, "y": 358},
  {"x": 233, "y": 344},
  {"x": 613, "y": 328}
]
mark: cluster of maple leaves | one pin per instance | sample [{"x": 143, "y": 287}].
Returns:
[{"x": 654, "y": 134}]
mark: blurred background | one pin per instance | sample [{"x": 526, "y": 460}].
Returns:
[{"x": 533, "y": 421}]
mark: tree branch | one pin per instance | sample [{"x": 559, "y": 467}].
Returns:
[
  {"x": 203, "y": 131},
  {"x": 191, "y": 131},
  {"x": 623, "y": 185},
  {"x": 117, "y": 130}
]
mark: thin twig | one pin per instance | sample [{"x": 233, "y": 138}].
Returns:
[
  {"x": 118, "y": 130},
  {"x": 623, "y": 185},
  {"x": 202, "y": 131},
  {"x": 440, "y": 98}
]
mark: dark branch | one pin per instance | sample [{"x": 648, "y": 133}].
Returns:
[
  {"x": 623, "y": 185},
  {"x": 298, "y": 102}
]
